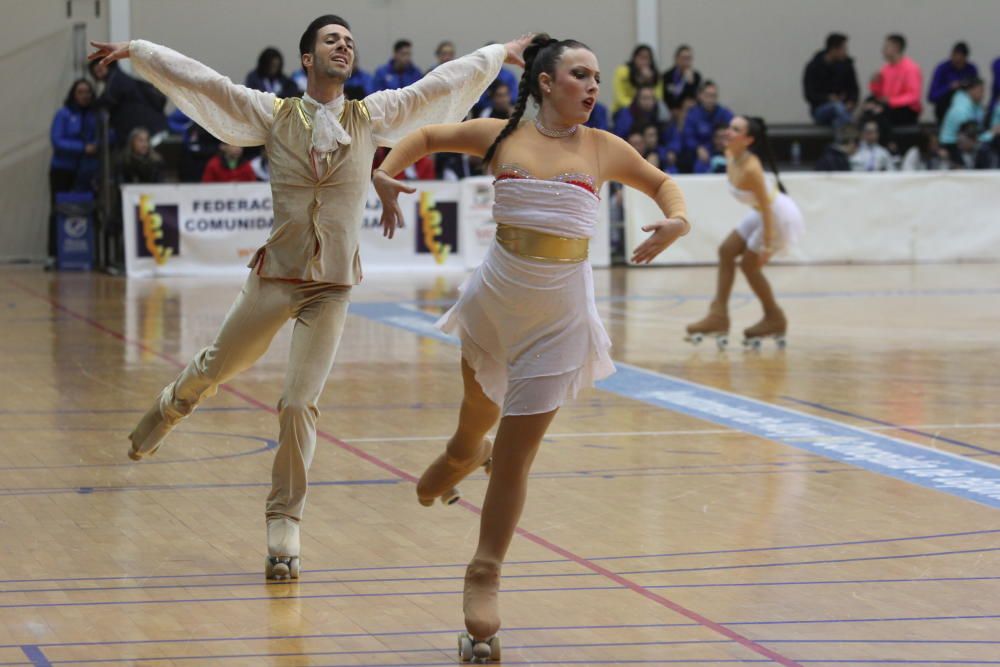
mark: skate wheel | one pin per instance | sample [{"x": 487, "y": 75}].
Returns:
[
  {"x": 481, "y": 652},
  {"x": 293, "y": 567},
  {"x": 494, "y": 644},
  {"x": 451, "y": 497},
  {"x": 780, "y": 342},
  {"x": 694, "y": 339},
  {"x": 465, "y": 647},
  {"x": 279, "y": 568},
  {"x": 722, "y": 342}
]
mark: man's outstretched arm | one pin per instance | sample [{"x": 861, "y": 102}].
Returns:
[{"x": 235, "y": 114}]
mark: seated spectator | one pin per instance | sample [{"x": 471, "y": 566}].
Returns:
[
  {"x": 456, "y": 166},
  {"x": 138, "y": 162},
  {"x": 400, "y": 71},
  {"x": 714, "y": 161},
  {"x": 682, "y": 81},
  {"x": 261, "y": 167},
  {"x": 640, "y": 70},
  {"x": 269, "y": 75},
  {"x": 969, "y": 152},
  {"x": 651, "y": 145},
  {"x": 672, "y": 136},
  {"x": 896, "y": 88},
  {"x": 131, "y": 103},
  {"x": 926, "y": 155},
  {"x": 445, "y": 52},
  {"x": 636, "y": 137},
  {"x": 360, "y": 85},
  {"x": 992, "y": 133},
  {"x": 966, "y": 106},
  {"x": 75, "y": 162},
  {"x": 507, "y": 77},
  {"x": 948, "y": 78},
  {"x": 871, "y": 155},
  {"x": 228, "y": 166},
  {"x": 645, "y": 110},
  {"x": 499, "y": 102},
  {"x": 700, "y": 124},
  {"x": 598, "y": 117},
  {"x": 837, "y": 156},
  {"x": 830, "y": 84}
]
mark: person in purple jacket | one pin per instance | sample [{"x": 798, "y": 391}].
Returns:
[
  {"x": 400, "y": 71},
  {"x": 700, "y": 124},
  {"x": 75, "y": 161},
  {"x": 948, "y": 77},
  {"x": 995, "y": 95}
]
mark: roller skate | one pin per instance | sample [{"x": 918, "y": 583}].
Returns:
[
  {"x": 149, "y": 433},
  {"x": 715, "y": 324},
  {"x": 480, "y": 643},
  {"x": 771, "y": 326},
  {"x": 442, "y": 476},
  {"x": 282, "y": 561}
]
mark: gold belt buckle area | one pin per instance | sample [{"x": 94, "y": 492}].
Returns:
[{"x": 540, "y": 246}]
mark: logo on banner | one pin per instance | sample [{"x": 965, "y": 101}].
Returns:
[
  {"x": 158, "y": 229},
  {"x": 438, "y": 224}
]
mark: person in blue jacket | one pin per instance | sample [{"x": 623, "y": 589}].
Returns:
[
  {"x": 400, "y": 71},
  {"x": 700, "y": 124},
  {"x": 75, "y": 162},
  {"x": 948, "y": 78}
]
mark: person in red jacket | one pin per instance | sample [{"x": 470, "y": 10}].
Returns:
[
  {"x": 896, "y": 88},
  {"x": 226, "y": 167}
]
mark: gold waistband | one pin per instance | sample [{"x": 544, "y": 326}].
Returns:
[{"x": 541, "y": 246}]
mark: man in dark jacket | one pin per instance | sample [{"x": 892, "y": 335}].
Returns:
[
  {"x": 130, "y": 102},
  {"x": 830, "y": 84}
]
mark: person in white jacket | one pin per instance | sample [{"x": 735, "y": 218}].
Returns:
[
  {"x": 320, "y": 149},
  {"x": 871, "y": 155}
]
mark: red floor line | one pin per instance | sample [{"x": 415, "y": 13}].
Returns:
[{"x": 718, "y": 628}]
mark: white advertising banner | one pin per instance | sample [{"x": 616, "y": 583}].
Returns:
[
  {"x": 214, "y": 229},
  {"x": 888, "y": 217}
]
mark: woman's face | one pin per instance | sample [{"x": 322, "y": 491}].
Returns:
[
  {"x": 83, "y": 95},
  {"x": 638, "y": 142},
  {"x": 685, "y": 59},
  {"x": 643, "y": 59},
  {"x": 645, "y": 99},
  {"x": 737, "y": 136},
  {"x": 572, "y": 92},
  {"x": 140, "y": 143},
  {"x": 651, "y": 137}
]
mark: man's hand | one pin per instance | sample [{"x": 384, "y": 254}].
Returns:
[
  {"x": 109, "y": 52},
  {"x": 515, "y": 49}
]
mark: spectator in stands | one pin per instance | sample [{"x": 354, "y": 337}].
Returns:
[
  {"x": 948, "y": 78},
  {"x": 445, "y": 52},
  {"x": 138, "y": 162},
  {"x": 499, "y": 102},
  {"x": 199, "y": 146},
  {"x": 966, "y": 106},
  {"x": 837, "y": 156},
  {"x": 871, "y": 155},
  {"x": 651, "y": 145},
  {"x": 598, "y": 117},
  {"x": 700, "y": 124},
  {"x": 926, "y": 155},
  {"x": 714, "y": 161},
  {"x": 969, "y": 152},
  {"x": 640, "y": 70},
  {"x": 645, "y": 110},
  {"x": 636, "y": 137},
  {"x": 269, "y": 75},
  {"x": 682, "y": 81},
  {"x": 896, "y": 88},
  {"x": 75, "y": 160},
  {"x": 261, "y": 167},
  {"x": 228, "y": 166},
  {"x": 130, "y": 102},
  {"x": 360, "y": 85},
  {"x": 992, "y": 133},
  {"x": 400, "y": 71},
  {"x": 505, "y": 76},
  {"x": 830, "y": 84},
  {"x": 672, "y": 137},
  {"x": 456, "y": 166}
]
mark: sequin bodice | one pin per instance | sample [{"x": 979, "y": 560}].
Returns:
[{"x": 585, "y": 181}]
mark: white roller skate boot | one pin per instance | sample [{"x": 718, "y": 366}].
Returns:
[{"x": 282, "y": 561}]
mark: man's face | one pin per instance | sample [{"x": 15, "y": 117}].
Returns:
[
  {"x": 840, "y": 53},
  {"x": 333, "y": 53},
  {"x": 890, "y": 51},
  {"x": 709, "y": 97},
  {"x": 501, "y": 98},
  {"x": 403, "y": 57},
  {"x": 446, "y": 54},
  {"x": 976, "y": 93},
  {"x": 959, "y": 60}
]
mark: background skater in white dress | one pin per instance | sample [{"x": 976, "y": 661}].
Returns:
[{"x": 531, "y": 336}]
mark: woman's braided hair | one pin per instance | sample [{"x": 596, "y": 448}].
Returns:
[{"x": 541, "y": 55}]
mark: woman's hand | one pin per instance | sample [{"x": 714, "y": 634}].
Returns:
[
  {"x": 109, "y": 52},
  {"x": 515, "y": 49},
  {"x": 388, "y": 189},
  {"x": 664, "y": 234}
]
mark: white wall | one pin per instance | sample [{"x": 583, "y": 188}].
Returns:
[
  {"x": 756, "y": 49},
  {"x": 36, "y": 70}
]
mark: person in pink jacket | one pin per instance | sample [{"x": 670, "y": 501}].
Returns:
[{"x": 896, "y": 88}]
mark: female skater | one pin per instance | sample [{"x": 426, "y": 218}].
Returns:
[
  {"x": 774, "y": 224},
  {"x": 531, "y": 336}
]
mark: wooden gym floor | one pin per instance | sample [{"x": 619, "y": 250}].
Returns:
[{"x": 834, "y": 503}]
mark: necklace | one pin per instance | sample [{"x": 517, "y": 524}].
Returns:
[{"x": 555, "y": 134}]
